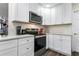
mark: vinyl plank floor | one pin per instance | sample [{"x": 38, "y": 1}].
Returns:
[
  {"x": 52, "y": 53},
  {"x": 75, "y": 53}
]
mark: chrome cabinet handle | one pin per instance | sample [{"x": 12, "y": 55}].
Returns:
[
  {"x": 27, "y": 40},
  {"x": 27, "y": 48}
]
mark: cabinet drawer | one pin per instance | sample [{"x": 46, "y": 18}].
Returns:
[
  {"x": 9, "y": 52},
  {"x": 24, "y": 49},
  {"x": 26, "y": 40},
  {"x": 66, "y": 37},
  {"x": 30, "y": 53},
  {"x": 8, "y": 44}
]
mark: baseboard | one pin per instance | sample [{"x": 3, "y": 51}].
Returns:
[{"x": 60, "y": 52}]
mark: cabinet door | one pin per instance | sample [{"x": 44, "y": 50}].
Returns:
[
  {"x": 26, "y": 46},
  {"x": 26, "y": 40},
  {"x": 75, "y": 21},
  {"x": 58, "y": 14},
  {"x": 66, "y": 47},
  {"x": 50, "y": 41},
  {"x": 47, "y": 41},
  {"x": 9, "y": 52},
  {"x": 45, "y": 12},
  {"x": 57, "y": 42},
  {"x": 8, "y": 48},
  {"x": 11, "y": 12},
  {"x": 35, "y": 7},
  {"x": 53, "y": 16},
  {"x": 25, "y": 49},
  {"x": 42, "y": 14},
  {"x": 22, "y": 11},
  {"x": 67, "y": 13},
  {"x": 8, "y": 44},
  {"x": 76, "y": 43}
]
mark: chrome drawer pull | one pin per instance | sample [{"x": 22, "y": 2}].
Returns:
[
  {"x": 27, "y": 40},
  {"x": 27, "y": 48}
]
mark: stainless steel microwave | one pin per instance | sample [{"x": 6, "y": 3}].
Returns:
[{"x": 33, "y": 17}]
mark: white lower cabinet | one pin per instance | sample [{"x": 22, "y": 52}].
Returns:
[
  {"x": 75, "y": 43},
  {"x": 50, "y": 41},
  {"x": 17, "y": 47},
  {"x": 26, "y": 40},
  {"x": 26, "y": 46},
  {"x": 9, "y": 52},
  {"x": 66, "y": 44},
  {"x": 47, "y": 43},
  {"x": 57, "y": 42},
  {"x": 26, "y": 50},
  {"x": 8, "y": 48},
  {"x": 60, "y": 43}
]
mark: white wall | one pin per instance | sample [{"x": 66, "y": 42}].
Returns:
[
  {"x": 60, "y": 29},
  {"x": 4, "y": 9}
]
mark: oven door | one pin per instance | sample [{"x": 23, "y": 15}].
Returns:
[{"x": 40, "y": 43}]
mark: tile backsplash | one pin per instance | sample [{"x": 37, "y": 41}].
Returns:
[
  {"x": 12, "y": 27},
  {"x": 30, "y": 25}
]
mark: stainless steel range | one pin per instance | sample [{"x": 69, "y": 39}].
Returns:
[{"x": 40, "y": 45}]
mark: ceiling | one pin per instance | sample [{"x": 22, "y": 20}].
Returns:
[{"x": 50, "y": 5}]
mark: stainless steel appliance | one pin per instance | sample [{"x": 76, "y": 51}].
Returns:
[
  {"x": 40, "y": 45},
  {"x": 33, "y": 17},
  {"x": 18, "y": 30}
]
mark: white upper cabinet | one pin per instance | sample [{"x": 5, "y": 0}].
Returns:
[
  {"x": 11, "y": 12},
  {"x": 22, "y": 11},
  {"x": 35, "y": 7},
  {"x": 52, "y": 15},
  {"x": 67, "y": 12},
  {"x": 75, "y": 16},
  {"x": 63, "y": 13},
  {"x": 45, "y": 13},
  {"x": 58, "y": 14}
]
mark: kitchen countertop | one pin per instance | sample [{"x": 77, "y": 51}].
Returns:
[
  {"x": 40, "y": 36},
  {"x": 15, "y": 37},
  {"x": 60, "y": 34}
]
